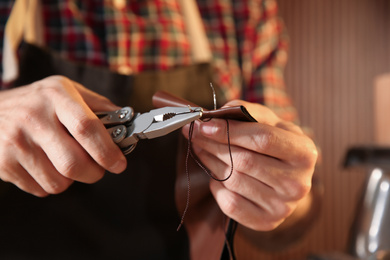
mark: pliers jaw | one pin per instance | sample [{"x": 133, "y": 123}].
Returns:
[
  {"x": 168, "y": 119},
  {"x": 127, "y": 127}
]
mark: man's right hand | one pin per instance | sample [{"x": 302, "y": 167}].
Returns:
[{"x": 50, "y": 136}]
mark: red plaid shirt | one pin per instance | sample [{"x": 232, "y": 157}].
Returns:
[{"x": 247, "y": 39}]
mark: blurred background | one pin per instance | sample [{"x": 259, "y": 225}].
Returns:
[{"x": 338, "y": 50}]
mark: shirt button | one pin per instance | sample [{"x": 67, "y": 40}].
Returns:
[
  {"x": 119, "y": 4},
  {"x": 125, "y": 70}
]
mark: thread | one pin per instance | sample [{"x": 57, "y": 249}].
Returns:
[{"x": 190, "y": 153}]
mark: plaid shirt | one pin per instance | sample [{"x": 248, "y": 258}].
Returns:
[{"x": 247, "y": 40}]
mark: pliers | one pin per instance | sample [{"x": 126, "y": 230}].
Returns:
[{"x": 127, "y": 127}]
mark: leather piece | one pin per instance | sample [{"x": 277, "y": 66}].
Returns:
[
  {"x": 164, "y": 99},
  {"x": 236, "y": 113}
]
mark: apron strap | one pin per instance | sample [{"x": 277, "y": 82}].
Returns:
[{"x": 24, "y": 23}]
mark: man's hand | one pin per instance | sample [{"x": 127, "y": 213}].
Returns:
[
  {"x": 50, "y": 137},
  {"x": 273, "y": 166}
]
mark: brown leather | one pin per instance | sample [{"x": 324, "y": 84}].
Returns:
[{"x": 164, "y": 99}]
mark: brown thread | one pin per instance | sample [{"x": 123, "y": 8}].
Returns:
[
  {"x": 230, "y": 154},
  {"x": 188, "y": 175},
  {"x": 227, "y": 244},
  {"x": 190, "y": 153}
]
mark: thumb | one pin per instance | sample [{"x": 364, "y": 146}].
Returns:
[{"x": 95, "y": 101}]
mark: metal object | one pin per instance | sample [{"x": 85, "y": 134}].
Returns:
[
  {"x": 214, "y": 96},
  {"x": 127, "y": 127},
  {"x": 370, "y": 237}
]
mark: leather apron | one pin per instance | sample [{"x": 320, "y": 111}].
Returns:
[{"x": 128, "y": 216}]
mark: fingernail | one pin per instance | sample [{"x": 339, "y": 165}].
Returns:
[
  {"x": 119, "y": 166},
  {"x": 209, "y": 128}
]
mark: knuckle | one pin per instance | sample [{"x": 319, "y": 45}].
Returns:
[
  {"x": 53, "y": 86},
  {"x": 244, "y": 161},
  {"x": 69, "y": 169},
  {"x": 34, "y": 120},
  {"x": 312, "y": 156},
  {"x": 80, "y": 169},
  {"x": 309, "y": 156},
  {"x": 14, "y": 138},
  {"x": 8, "y": 173},
  {"x": 281, "y": 211},
  {"x": 56, "y": 187},
  {"x": 21, "y": 183},
  {"x": 289, "y": 126},
  {"x": 56, "y": 79},
  {"x": 264, "y": 139},
  {"x": 233, "y": 183},
  {"x": 5, "y": 177},
  {"x": 83, "y": 127},
  {"x": 302, "y": 190},
  {"x": 296, "y": 190},
  {"x": 230, "y": 205},
  {"x": 15, "y": 143}
]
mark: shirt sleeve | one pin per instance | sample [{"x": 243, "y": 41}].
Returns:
[{"x": 263, "y": 47}]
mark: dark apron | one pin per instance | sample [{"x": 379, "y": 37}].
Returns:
[{"x": 128, "y": 216}]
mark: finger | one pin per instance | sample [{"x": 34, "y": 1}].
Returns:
[
  {"x": 243, "y": 210},
  {"x": 68, "y": 157},
  {"x": 246, "y": 186},
  {"x": 36, "y": 163},
  {"x": 63, "y": 151},
  {"x": 96, "y": 141},
  {"x": 260, "y": 138},
  {"x": 18, "y": 176},
  {"x": 90, "y": 133},
  {"x": 286, "y": 183}
]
